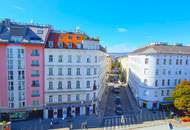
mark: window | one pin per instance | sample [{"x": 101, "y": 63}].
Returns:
[
  {"x": 164, "y": 71},
  {"x": 78, "y": 59},
  {"x": 146, "y": 60},
  {"x": 50, "y": 58},
  {"x": 60, "y": 72},
  {"x": 10, "y": 52},
  {"x": 88, "y": 60},
  {"x": 40, "y": 31},
  {"x": 157, "y": 71},
  {"x": 87, "y": 84},
  {"x": 10, "y": 85},
  {"x": 77, "y": 84},
  {"x": 186, "y": 61},
  {"x": 35, "y": 63},
  {"x": 60, "y": 85},
  {"x": 155, "y": 94},
  {"x": 69, "y": 84},
  {"x": 175, "y": 81},
  {"x": 21, "y": 85},
  {"x": 88, "y": 71},
  {"x": 10, "y": 75},
  {"x": 50, "y": 71},
  {"x": 145, "y": 71},
  {"x": 156, "y": 83},
  {"x": 35, "y": 52},
  {"x": 21, "y": 75},
  {"x": 95, "y": 71},
  {"x": 70, "y": 37},
  {"x": 50, "y": 85},
  {"x": 169, "y": 72},
  {"x": 35, "y": 83},
  {"x": 59, "y": 98},
  {"x": 50, "y": 98},
  {"x": 35, "y": 73},
  {"x": 69, "y": 45},
  {"x": 87, "y": 97},
  {"x": 164, "y": 62},
  {"x": 69, "y": 98},
  {"x": 145, "y": 81},
  {"x": 168, "y": 82},
  {"x": 35, "y": 93},
  {"x": 60, "y": 58},
  {"x": 78, "y": 97},
  {"x": 60, "y": 44},
  {"x": 79, "y": 45},
  {"x": 177, "y": 61},
  {"x": 96, "y": 59},
  {"x": 157, "y": 61},
  {"x": 163, "y": 82},
  {"x": 34, "y": 103},
  {"x": 50, "y": 44},
  {"x": 78, "y": 37},
  {"x": 69, "y": 58},
  {"x": 78, "y": 71},
  {"x": 181, "y": 61},
  {"x": 10, "y": 64},
  {"x": 69, "y": 72},
  {"x": 170, "y": 61},
  {"x": 162, "y": 92},
  {"x": 168, "y": 92},
  {"x": 20, "y": 53}
]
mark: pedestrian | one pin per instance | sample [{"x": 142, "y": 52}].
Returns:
[
  {"x": 170, "y": 126},
  {"x": 51, "y": 124}
]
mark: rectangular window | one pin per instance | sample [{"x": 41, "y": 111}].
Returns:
[
  {"x": 157, "y": 61},
  {"x": 186, "y": 62},
  {"x": 87, "y": 84},
  {"x": 50, "y": 58},
  {"x": 69, "y": 72},
  {"x": 50, "y": 98},
  {"x": 50, "y": 44},
  {"x": 60, "y": 85},
  {"x": 168, "y": 92},
  {"x": 157, "y": 71},
  {"x": 20, "y": 53},
  {"x": 69, "y": 58},
  {"x": 88, "y": 60},
  {"x": 35, "y": 83},
  {"x": 50, "y": 71},
  {"x": 156, "y": 83},
  {"x": 77, "y": 84},
  {"x": 78, "y": 97},
  {"x": 35, "y": 93},
  {"x": 164, "y": 71},
  {"x": 10, "y": 64},
  {"x": 164, "y": 62},
  {"x": 163, "y": 82},
  {"x": 70, "y": 37},
  {"x": 10, "y": 85},
  {"x": 60, "y": 71},
  {"x": 162, "y": 92},
  {"x": 35, "y": 52},
  {"x": 10, "y": 52},
  {"x": 59, "y": 98},
  {"x": 69, "y": 98},
  {"x": 10, "y": 75},
  {"x": 181, "y": 61},
  {"x": 21, "y": 75},
  {"x": 60, "y": 44},
  {"x": 168, "y": 82},
  {"x": 78, "y": 71},
  {"x": 170, "y": 61},
  {"x": 78, "y": 37},
  {"x": 96, "y": 59},
  {"x": 78, "y": 59},
  {"x": 146, "y": 60},
  {"x": 60, "y": 58},
  {"x": 95, "y": 71},
  {"x": 88, "y": 71},
  {"x": 177, "y": 61},
  {"x": 35, "y": 63},
  {"x": 69, "y": 84},
  {"x": 50, "y": 85}
]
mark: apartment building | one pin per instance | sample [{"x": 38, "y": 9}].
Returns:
[
  {"x": 109, "y": 64},
  {"x": 155, "y": 70},
  {"x": 75, "y": 74},
  {"x": 22, "y": 69},
  {"x": 124, "y": 67}
]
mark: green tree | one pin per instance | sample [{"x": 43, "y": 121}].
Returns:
[{"x": 181, "y": 95}]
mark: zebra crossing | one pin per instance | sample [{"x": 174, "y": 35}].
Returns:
[{"x": 115, "y": 122}]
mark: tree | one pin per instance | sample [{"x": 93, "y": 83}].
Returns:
[{"x": 181, "y": 95}]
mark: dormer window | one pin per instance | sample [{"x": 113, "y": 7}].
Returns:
[
  {"x": 78, "y": 37},
  {"x": 40, "y": 31},
  {"x": 60, "y": 45},
  {"x": 69, "y": 45},
  {"x": 50, "y": 44},
  {"x": 70, "y": 37}
]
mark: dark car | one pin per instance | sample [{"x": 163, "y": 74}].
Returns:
[
  {"x": 118, "y": 100},
  {"x": 115, "y": 90},
  {"x": 119, "y": 110}
]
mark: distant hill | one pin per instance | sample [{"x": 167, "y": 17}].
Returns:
[{"x": 116, "y": 55}]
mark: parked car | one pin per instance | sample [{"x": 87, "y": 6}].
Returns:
[
  {"x": 119, "y": 110},
  {"x": 118, "y": 100}
]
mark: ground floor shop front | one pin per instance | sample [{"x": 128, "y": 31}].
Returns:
[{"x": 69, "y": 111}]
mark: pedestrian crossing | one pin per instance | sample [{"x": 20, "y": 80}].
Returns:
[{"x": 128, "y": 121}]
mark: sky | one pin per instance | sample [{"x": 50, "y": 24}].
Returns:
[{"x": 121, "y": 25}]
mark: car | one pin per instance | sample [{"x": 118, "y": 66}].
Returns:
[
  {"x": 115, "y": 90},
  {"x": 55, "y": 121},
  {"x": 118, "y": 100},
  {"x": 119, "y": 110}
]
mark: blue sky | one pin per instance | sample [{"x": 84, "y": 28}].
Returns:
[{"x": 122, "y": 25}]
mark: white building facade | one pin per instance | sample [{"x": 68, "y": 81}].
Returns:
[
  {"x": 74, "y": 81},
  {"x": 155, "y": 70}
]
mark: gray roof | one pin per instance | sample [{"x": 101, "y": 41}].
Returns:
[
  {"x": 27, "y": 33},
  {"x": 163, "y": 49}
]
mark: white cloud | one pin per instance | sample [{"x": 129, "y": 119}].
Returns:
[
  {"x": 120, "y": 48},
  {"x": 18, "y": 7},
  {"x": 122, "y": 30}
]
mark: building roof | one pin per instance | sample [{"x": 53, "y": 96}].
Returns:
[
  {"x": 26, "y": 33},
  {"x": 162, "y": 49}
]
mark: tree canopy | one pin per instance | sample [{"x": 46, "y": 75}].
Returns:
[{"x": 181, "y": 95}]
